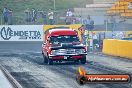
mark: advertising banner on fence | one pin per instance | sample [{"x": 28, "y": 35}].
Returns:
[{"x": 21, "y": 33}]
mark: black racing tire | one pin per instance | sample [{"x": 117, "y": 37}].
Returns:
[
  {"x": 50, "y": 61},
  {"x": 45, "y": 59},
  {"x": 83, "y": 60},
  {"x": 76, "y": 61}
]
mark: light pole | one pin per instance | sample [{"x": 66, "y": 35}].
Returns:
[
  {"x": 106, "y": 23},
  {"x": 54, "y": 5}
]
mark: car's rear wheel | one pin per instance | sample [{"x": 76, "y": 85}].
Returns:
[{"x": 83, "y": 60}]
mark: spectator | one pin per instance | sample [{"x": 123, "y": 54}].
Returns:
[
  {"x": 74, "y": 20},
  {"x": 89, "y": 24},
  {"x": 5, "y": 15},
  {"x": 69, "y": 13},
  {"x": 95, "y": 41},
  {"x": 86, "y": 22},
  {"x": 34, "y": 15},
  {"x": 69, "y": 19},
  {"x": 44, "y": 17},
  {"x": 51, "y": 17},
  {"x": 80, "y": 20},
  {"x": 28, "y": 15},
  {"x": 10, "y": 17},
  {"x": 82, "y": 30}
]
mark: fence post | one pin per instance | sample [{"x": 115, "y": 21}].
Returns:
[{"x": 1, "y": 20}]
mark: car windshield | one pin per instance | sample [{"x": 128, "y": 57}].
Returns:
[{"x": 63, "y": 39}]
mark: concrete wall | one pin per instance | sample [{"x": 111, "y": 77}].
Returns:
[{"x": 122, "y": 48}]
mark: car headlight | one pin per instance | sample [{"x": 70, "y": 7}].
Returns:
[
  {"x": 80, "y": 51},
  {"x": 53, "y": 52},
  {"x": 59, "y": 52}
]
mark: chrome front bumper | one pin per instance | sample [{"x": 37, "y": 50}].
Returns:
[{"x": 68, "y": 55}]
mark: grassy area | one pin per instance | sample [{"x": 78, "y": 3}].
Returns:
[{"x": 19, "y": 6}]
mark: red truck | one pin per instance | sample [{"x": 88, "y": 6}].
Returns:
[{"x": 62, "y": 44}]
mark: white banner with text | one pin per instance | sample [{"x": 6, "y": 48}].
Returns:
[{"x": 21, "y": 32}]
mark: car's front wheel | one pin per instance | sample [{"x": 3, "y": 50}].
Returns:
[
  {"x": 45, "y": 59},
  {"x": 83, "y": 60},
  {"x": 50, "y": 61},
  {"x": 76, "y": 61}
]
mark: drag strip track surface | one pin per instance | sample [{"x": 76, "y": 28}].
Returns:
[{"x": 25, "y": 63}]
